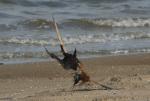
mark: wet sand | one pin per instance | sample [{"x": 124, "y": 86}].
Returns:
[{"x": 129, "y": 75}]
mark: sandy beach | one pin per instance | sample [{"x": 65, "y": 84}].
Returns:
[{"x": 129, "y": 75}]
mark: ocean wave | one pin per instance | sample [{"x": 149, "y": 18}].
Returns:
[
  {"x": 102, "y": 38},
  {"x": 116, "y": 22},
  {"x": 114, "y": 52},
  {"x": 77, "y": 39},
  {"x": 18, "y": 2},
  {"x": 5, "y": 15},
  {"x": 43, "y": 54},
  {"x": 130, "y": 51},
  {"x": 10, "y": 55},
  {"x": 28, "y": 41},
  {"x": 7, "y": 1},
  {"x": 102, "y": 1},
  {"x": 26, "y": 55},
  {"x": 86, "y": 23},
  {"x": 7, "y": 27},
  {"x": 29, "y": 3},
  {"x": 37, "y": 24},
  {"x": 57, "y": 4}
]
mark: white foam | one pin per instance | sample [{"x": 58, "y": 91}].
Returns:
[
  {"x": 27, "y": 41},
  {"x": 78, "y": 39},
  {"x": 129, "y": 22},
  {"x": 42, "y": 54}
]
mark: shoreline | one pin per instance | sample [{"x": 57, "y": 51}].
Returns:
[
  {"x": 47, "y": 81},
  {"x": 40, "y": 69},
  {"x": 83, "y": 58}
]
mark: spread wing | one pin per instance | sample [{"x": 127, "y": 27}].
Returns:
[
  {"x": 53, "y": 56},
  {"x": 50, "y": 54}
]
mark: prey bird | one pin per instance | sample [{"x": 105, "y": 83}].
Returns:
[{"x": 82, "y": 78}]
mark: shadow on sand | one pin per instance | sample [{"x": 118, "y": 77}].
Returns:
[{"x": 83, "y": 89}]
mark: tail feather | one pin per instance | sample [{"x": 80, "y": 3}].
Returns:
[{"x": 106, "y": 87}]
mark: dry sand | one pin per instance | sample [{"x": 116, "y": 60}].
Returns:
[{"x": 129, "y": 75}]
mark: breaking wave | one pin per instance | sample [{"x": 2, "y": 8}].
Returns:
[
  {"x": 102, "y": 38},
  {"x": 77, "y": 39},
  {"x": 116, "y": 22},
  {"x": 30, "y": 24},
  {"x": 85, "y": 23},
  {"x": 9, "y": 55},
  {"x": 36, "y": 24},
  {"x": 27, "y": 41}
]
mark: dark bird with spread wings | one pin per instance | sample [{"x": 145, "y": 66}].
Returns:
[{"x": 70, "y": 61}]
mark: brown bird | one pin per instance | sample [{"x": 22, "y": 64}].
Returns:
[{"x": 82, "y": 78}]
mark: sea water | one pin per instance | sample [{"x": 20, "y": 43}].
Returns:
[{"x": 93, "y": 27}]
